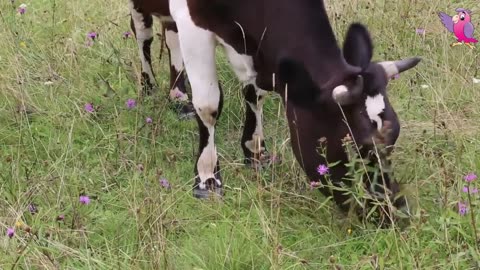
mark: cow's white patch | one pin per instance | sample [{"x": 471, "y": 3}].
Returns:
[
  {"x": 163, "y": 18},
  {"x": 390, "y": 68},
  {"x": 198, "y": 50},
  {"x": 142, "y": 34},
  {"x": 375, "y": 106},
  {"x": 242, "y": 65},
  {"x": 171, "y": 38}
]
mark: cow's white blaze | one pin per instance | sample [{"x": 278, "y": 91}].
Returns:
[
  {"x": 142, "y": 34},
  {"x": 198, "y": 51},
  {"x": 242, "y": 65},
  {"x": 375, "y": 106}
]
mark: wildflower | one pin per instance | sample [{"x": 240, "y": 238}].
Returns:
[
  {"x": 424, "y": 86},
  {"x": 10, "y": 232},
  {"x": 60, "y": 217},
  {"x": 164, "y": 183},
  {"x": 84, "y": 199},
  {"x": 131, "y": 103},
  {"x": 127, "y": 34},
  {"x": 148, "y": 120},
  {"x": 462, "y": 208},
  {"x": 470, "y": 177},
  {"x": 475, "y": 80},
  {"x": 23, "y": 44},
  {"x": 19, "y": 224},
  {"x": 314, "y": 184},
  {"x": 473, "y": 190},
  {"x": 32, "y": 208},
  {"x": 92, "y": 35},
  {"x": 420, "y": 31},
  {"x": 22, "y": 9},
  {"x": 349, "y": 231},
  {"x": 89, "y": 107},
  {"x": 322, "y": 169},
  {"x": 179, "y": 94}
]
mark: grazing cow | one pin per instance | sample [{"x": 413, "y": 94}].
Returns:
[
  {"x": 141, "y": 22},
  {"x": 287, "y": 46}
]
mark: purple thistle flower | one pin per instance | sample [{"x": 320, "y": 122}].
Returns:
[
  {"x": 84, "y": 199},
  {"x": 148, "y": 120},
  {"x": 462, "y": 208},
  {"x": 314, "y": 184},
  {"x": 322, "y": 169},
  {"x": 127, "y": 34},
  {"x": 89, "y": 107},
  {"x": 471, "y": 190},
  {"x": 131, "y": 103},
  {"x": 420, "y": 31},
  {"x": 179, "y": 94},
  {"x": 60, "y": 217},
  {"x": 32, "y": 208},
  {"x": 164, "y": 183},
  {"x": 22, "y": 9},
  {"x": 470, "y": 177},
  {"x": 92, "y": 35},
  {"x": 10, "y": 232}
]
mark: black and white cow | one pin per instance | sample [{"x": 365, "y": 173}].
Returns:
[
  {"x": 287, "y": 46},
  {"x": 142, "y": 13}
]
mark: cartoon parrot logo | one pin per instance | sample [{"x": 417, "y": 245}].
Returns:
[{"x": 461, "y": 26}]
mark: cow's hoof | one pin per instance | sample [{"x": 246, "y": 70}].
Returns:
[
  {"x": 185, "y": 110},
  {"x": 265, "y": 160},
  {"x": 212, "y": 188},
  {"x": 206, "y": 193}
]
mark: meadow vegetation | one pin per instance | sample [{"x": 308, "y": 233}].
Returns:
[{"x": 137, "y": 209}]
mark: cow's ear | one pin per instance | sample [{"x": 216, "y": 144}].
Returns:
[
  {"x": 357, "y": 48},
  {"x": 293, "y": 75}
]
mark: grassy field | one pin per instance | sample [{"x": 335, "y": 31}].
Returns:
[{"x": 52, "y": 152}]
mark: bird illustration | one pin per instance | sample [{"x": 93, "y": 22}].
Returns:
[{"x": 461, "y": 26}]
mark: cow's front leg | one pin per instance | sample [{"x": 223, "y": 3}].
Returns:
[
  {"x": 198, "y": 50},
  {"x": 142, "y": 26},
  {"x": 178, "y": 91},
  {"x": 253, "y": 140}
]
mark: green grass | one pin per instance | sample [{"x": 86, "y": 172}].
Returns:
[{"x": 51, "y": 152}]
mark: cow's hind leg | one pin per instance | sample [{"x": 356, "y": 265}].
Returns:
[
  {"x": 198, "y": 50},
  {"x": 178, "y": 91},
  {"x": 253, "y": 141},
  {"x": 142, "y": 26}
]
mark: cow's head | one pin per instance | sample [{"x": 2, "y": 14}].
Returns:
[{"x": 358, "y": 94}]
